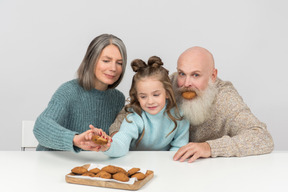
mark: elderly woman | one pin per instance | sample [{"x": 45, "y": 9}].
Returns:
[{"x": 91, "y": 99}]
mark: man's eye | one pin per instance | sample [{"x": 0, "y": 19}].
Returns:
[
  {"x": 196, "y": 75},
  {"x": 181, "y": 73}
]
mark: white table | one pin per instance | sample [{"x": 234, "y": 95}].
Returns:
[{"x": 45, "y": 171}]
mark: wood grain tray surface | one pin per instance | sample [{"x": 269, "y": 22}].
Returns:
[{"x": 109, "y": 184}]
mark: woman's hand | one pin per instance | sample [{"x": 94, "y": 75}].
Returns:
[
  {"x": 102, "y": 134},
  {"x": 84, "y": 140}
]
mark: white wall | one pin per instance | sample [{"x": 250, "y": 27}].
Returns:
[{"x": 43, "y": 42}]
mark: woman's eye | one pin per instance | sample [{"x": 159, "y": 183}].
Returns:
[
  {"x": 105, "y": 61},
  {"x": 120, "y": 63},
  {"x": 156, "y": 95}
]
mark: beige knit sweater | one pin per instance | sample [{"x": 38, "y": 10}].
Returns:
[{"x": 231, "y": 130}]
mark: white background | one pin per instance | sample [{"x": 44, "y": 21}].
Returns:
[{"x": 42, "y": 43}]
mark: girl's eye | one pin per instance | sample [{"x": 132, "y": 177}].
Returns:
[
  {"x": 156, "y": 95},
  {"x": 142, "y": 97}
]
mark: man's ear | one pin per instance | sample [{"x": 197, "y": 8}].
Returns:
[{"x": 214, "y": 75}]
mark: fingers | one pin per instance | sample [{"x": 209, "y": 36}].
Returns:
[
  {"x": 100, "y": 132},
  {"x": 180, "y": 153},
  {"x": 86, "y": 143},
  {"x": 194, "y": 157},
  {"x": 191, "y": 152}
]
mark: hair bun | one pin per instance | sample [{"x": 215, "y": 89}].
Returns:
[
  {"x": 137, "y": 64},
  {"x": 155, "y": 61}
]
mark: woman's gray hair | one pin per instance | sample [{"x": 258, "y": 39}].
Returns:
[{"x": 86, "y": 76}]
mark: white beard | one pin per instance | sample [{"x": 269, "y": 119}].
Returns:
[{"x": 197, "y": 110}]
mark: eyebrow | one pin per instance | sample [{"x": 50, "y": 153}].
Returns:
[
  {"x": 111, "y": 58},
  {"x": 152, "y": 92},
  {"x": 196, "y": 71}
]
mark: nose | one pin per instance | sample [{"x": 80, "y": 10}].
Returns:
[
  {"x": 188, "y": 82},
  {"x": 150, "y": 100},
  {"x": 113, "y": 66}
]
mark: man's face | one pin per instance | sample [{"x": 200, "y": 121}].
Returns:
[{"x": 194, "y": 73}]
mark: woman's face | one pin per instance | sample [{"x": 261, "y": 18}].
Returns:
[{"x": 108, "y": 67}]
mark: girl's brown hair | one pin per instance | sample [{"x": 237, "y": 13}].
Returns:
[{"x": 152, "y": 69}]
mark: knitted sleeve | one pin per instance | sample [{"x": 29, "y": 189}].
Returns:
[
  {"x": 48, "y": 130},
  {"x": 118, "y": 121},
  {"x": 246, "y": 135},
  {"x": 122, "y": 139},
  {"x": 181, "y": 137}
]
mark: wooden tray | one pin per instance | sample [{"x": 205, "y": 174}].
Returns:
[{"x": 109, "y": 184}]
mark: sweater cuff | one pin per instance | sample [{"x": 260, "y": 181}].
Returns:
[
  {"x": 222, "y": 147},
  {"x": 68, "y": 142}
]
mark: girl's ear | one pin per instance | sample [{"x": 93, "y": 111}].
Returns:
[{"x": 167, "y": 95}]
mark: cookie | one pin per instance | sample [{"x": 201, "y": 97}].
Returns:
[
  {"x": 79, "y": 170},
  {"x": 99, "y": 140},
  {"x": 133, "y": 171},
  {"x": 95, "y": 170},
  {"x": 104, "y": 175},
  {"x": 120, "y": 177},
  {"x": 110, "y": 169},
  {"x": 139, "y": 176},
  {"x": 188, "y": 94}
]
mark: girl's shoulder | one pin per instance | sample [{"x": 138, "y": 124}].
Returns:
[
  {"x": 175, "y": 112},
  {"x": 133, "y": 117}
]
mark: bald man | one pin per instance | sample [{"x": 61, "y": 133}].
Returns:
[{"x": 221, "y": 124}]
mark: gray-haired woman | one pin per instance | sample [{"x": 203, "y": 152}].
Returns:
[{"x": 91, "y": 99}]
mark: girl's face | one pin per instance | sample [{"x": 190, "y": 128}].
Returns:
[
  {"x": 108, "y": 67},
  {"x": 151, "y": 95}
]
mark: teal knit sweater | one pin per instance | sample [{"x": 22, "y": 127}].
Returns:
[
  {"x": 155, "y": 138},
  {"x": 71, "y": 110}
]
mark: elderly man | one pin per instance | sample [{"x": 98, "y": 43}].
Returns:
[{"x": 221, "y": 124}]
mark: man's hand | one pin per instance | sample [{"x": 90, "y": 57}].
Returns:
[{"x": 192, "y": 151}]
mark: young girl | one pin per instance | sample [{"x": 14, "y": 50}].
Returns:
[{"x": 154, "y": 121}]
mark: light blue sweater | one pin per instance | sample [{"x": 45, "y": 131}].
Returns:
[
  {"x": 157, "y": 127},
  {"x": 71, "y": 110}
]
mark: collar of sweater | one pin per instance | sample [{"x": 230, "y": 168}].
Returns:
[
  {"x": 100, "y": 93},
  {"x": 158, "y": 115}
]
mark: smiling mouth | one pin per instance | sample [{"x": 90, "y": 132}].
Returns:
[
  {"x": 110, "y": 76},
  {"x": 151, "y": 108}
]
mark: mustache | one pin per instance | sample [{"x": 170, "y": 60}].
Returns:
[{"x": 185, "y": 89}]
